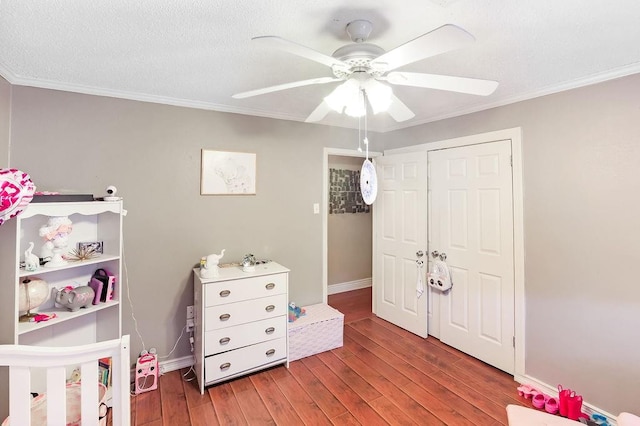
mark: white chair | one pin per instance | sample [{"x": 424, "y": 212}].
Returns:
[{"x": 54, "y": 360}]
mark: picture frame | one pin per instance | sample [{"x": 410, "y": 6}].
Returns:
[
  {"x": 227, "y": 173},
  {"x": 97, "y": 246}
]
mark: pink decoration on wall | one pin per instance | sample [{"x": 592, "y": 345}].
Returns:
[{"x": 16, "y": 192}]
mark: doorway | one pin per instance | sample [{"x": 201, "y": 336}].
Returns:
[{"x": 347, "y": 231}]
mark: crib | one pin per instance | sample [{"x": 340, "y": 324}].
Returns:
[{"x": 54, "y": 361}]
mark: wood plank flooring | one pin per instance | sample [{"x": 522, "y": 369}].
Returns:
[{"x": 383, "y": 375}]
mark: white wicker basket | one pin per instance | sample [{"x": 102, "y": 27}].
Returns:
[{"x": 318, "y": 331}]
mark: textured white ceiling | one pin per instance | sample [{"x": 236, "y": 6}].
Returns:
[{"x": 198, "y": 53}]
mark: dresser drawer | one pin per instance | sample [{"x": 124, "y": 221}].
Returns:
[
  {"x": 229, "y": 338},
  {"x": 246, "y": 288},
  {"x": 221, "y": 316},
  {"x": 217, "y": 367}
]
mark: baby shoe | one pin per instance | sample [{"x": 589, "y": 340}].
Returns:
[
  {"x": 526, "y": 391},
  {"x": 599, "y": 419},
  {"x": 551, "y": 405},
  {"x": 539, "y": 400}
]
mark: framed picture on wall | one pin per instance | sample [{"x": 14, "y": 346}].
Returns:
[{"x": 227, "y": 173}]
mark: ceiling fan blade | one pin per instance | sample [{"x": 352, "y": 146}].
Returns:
[
  {"x": 443, "y": 39},
  {"x": 320, "y": 80},
  {"x": 300, "y": 50},
  {"x": 319, "y": 113},
  {"x": 399, "y": 111},
  {"x": 472, "y": 86}
]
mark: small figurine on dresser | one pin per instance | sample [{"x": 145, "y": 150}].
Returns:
[
  {"x": 249, "y": 263},
  {"x": 209, "y": 265}
]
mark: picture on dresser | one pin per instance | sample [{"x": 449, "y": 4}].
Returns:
[{"x": 228, "y": 173}]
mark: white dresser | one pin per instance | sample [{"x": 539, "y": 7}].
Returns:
[{"x": 240, "y": 322}]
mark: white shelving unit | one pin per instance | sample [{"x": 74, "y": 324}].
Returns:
[{"x": 92, "y": 221}]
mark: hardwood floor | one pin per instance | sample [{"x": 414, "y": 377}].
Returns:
[{"x": 382, "y": 375}]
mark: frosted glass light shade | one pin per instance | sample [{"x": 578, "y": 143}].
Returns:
[{"x": 349, "y": 97}]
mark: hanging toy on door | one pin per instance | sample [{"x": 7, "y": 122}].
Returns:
[{"x": 440, "y": 275}]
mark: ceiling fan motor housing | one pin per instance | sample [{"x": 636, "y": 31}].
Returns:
[
  {"x": 359, "y": 30},
  {"x": 359, "y": 57}
]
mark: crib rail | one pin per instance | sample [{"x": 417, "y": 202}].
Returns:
[{"x": 21, "y": 359}]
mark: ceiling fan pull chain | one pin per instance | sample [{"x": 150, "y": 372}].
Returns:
[
  {"x": 366, "y": 140},
  {"x": 359, "y": 133}
]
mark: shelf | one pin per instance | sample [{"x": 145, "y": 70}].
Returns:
[
  {"x": 63, "y": 314},
  {"x": 77, "y": 264},
  {"x": 68, "y": 208}
]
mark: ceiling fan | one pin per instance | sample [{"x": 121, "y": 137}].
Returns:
[{"x": 363, "y": 67}]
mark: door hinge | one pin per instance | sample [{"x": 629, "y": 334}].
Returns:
[
  {"x": 514, "y": 341},
  {"x": 511, "y": 160}
]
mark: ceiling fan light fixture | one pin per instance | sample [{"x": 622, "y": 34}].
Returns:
[
  {"x": 356, "y": 105},
  {"x": 379, "y": 95},
  {"x": 337, "y": 99},
  {"x": 343, "y": 96}
]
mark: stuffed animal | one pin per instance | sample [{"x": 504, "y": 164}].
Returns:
[{"x": 295, "y": 312}]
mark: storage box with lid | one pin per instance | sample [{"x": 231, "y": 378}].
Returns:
[{"x": 319, "y": 330}]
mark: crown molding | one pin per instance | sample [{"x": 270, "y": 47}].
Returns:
[
  {"x": 549, "y": 90},
  {"x": 17, "y": 80}
]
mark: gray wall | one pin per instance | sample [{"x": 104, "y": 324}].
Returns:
[
  {"x": 349, "y": 246},
  {"x": 79, "y": 143},
  {"x": 5, "y": 121},
  {"x": 581, "y": 153},
  {"x": 581, "y": 186}
]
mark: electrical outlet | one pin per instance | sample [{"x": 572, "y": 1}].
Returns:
[
  {"x": 190, "y": 312},
  {"x": 190, "y": 325}
]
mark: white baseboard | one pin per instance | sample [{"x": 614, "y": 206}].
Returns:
[
  {"x": 175, "y": 364},
  {"x": 348, "y": 286},
  {"x": 553, "y": 391}
]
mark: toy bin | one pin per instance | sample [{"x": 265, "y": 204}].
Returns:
[{"x": 319, "y": 330}]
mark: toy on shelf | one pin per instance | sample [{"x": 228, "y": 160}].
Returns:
[
  {"x": 75, "y": 298},
  {"x": 31, "y": 261},
  {"x": 295, "y": 312},
  {"x": 56, "y": 235}
]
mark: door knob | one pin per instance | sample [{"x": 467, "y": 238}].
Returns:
[
  {"x": 419, "y": 253},
  {"x": 435, "y": 254},
  {"x": 443, "y": 256}
]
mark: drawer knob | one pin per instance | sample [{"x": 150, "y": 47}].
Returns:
[
  {"x": 270, "y": 308},
  {"x": 225, "y": 293},
  {"x": 225, "y": 340},
  {"x": 270, "y": 352},
  {"x": 270, "y": 286},
  {"x": 225, "y": 366},
  {"x": 225, "y": 317},
  {"x": 270, "y": 330}
]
